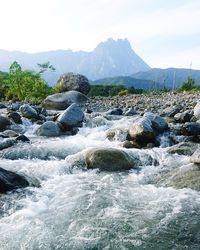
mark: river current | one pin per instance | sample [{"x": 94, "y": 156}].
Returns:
[{"x": 78, "y": 209}]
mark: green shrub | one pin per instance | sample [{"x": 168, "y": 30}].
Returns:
[{"x": 123, "y": 92}]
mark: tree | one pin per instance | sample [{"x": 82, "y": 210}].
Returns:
[
  {"x": 26, "y": 84},
  {"x": 188, "y": 85}
]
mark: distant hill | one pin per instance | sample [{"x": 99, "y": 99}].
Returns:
[
  {"x": 129, "y": 81},
  {"x": 169, "y": 77},
  {"x": 108, "y": 59}
]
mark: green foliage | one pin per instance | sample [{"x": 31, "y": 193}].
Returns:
[
  {"x": 123, "y": 92},
  {"x": 112, "y": 90},
  {"x": 25, "y": 84},
  {"x": 188, "y": 85}
]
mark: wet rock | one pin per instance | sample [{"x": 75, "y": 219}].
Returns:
[
  {"x": 49, "y": 129},
  {"x": 2, "y": 106},
  {"x": 109, "y": 159},
  {"x": 141, "y": 131},
  {"x": 4, "y": 122},
  {"x": 115, "y": 111},
  {"x": 9, "y": 133},
  {"x": 22, "y": 138},
  {"x": 183, "y": 148},
  {"x": 73, "y": 81},
  {"x": 159, "y": 124},
  {"x": 195, "y": 158},
  {"x": 6, "y": 143},
  {"x": 128, "y": 144},
  {"x": 190, "y": 129},
  {"x": 115, "y": 134},
  {"x": 28, "y": 111},
  {"x": 63, "y": 100},
  {"x": 73, "y": 116},
  {"x": 185, "y": 177},
  {"x": 15, "y": 117},
  {"x": 10, "y": 181}
]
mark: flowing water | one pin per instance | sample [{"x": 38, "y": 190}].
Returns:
[{"x": 79, "y": 209}]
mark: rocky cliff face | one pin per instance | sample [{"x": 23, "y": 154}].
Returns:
[{"x": 108, "y": 59}]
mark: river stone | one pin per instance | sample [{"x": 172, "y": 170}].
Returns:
[
  {"x": 10, "y": 181},
  {"x": 131, "y": 112},
  {"x": 158, "y": 123},
  {"x": 63, "y": 100},
  {"x": 183, "y": 117},
  {"x": 115, "y": 111},
  {"x": 185, "y": 177},
  {"x": 4, "y": 122},
  {"x": 28, "y": 112},
  {"x": 141, "y": 131},
  {"x": 49, "y": 129},
  {"x": 197, "y": 110},
  {"x": 195, "y": 158},
  {"x": 183, "y": 148},
  {"x": 6, "y": 143},
  {"x": 9, "y": 133},
  {"x": 108, "y": 159},
  {"x": 190, "y": 129},
  {"x": 15, "y": 117},
  {"x": 22, "y": 138},
  {"x": 72, "y": 81},
  {"x": 72, "y": 117},
  {"x": 114, "y": 134}
]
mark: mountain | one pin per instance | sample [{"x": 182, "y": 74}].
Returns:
[
  {"x": 129, "y": 81},
  {"x": 108, "y": 59},
  {"x": 169, "y": 77}
]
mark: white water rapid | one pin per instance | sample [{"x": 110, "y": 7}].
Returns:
[{"x": 79, "y": 209}]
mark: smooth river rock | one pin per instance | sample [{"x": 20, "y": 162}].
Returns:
[
  {"x": 63, "y": 100},
  {"x": 10, "y": 181},
  {"x": 49, "y": 129},
  {"x": 28, "y": 112}
]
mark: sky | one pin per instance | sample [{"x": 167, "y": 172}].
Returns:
[{"x": 165, "y": 33}]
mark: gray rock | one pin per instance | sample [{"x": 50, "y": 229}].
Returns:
[
  {"x": 131, "y": 112},
  {"x": 115, "y": 111},
  {"x": 4, "y": 122},
  {"x": 183, "y": 117},
  {"x": 2, "y": 106},
  {"x": 73, "y": 116},
  {"x": 10, "y": 181},
  {"x": 22, "y": 138},
  {"x": 197, "y": 110},
  {"x": 183, "y": 148},
  {"x": 195, "y": 158},
  {"x": 28, "y": 111},
  {"x": 190, "y": 129},
  {"x": 114, "y": 134},
  {"x": 158, "y": 123},
  {"x": 141, "y": 131},
  {"x": 9, "y": 133},
  {"x": 49, "y": 129},
  {"x": 63, "y": 100},
  {"x": 109, "y": 159},
  {"x": 6, "y": 143},
  {"x": 15, "y": 117},
  {"x": 73, "y": 81}
]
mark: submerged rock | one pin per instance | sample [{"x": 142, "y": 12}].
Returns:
[
  {"x": 109, "y": 159},
  {"x": 10, "y": 181},
  {"x": 49, "y": 129},
  {"x": 73, "y": 81},
  {"x": 15, "y": 117},
  {"x": 195, "y": 158},
  {"x": 183, "y": 148},
  {"x": 6, "y": 143},
  {"x": 63, "y": 100}
]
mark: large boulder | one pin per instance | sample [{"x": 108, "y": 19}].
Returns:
[
  {"x": 109, "y": 159},
  {"x": 73, "y": 116},
  {"x": 49, "y": 129},
  {"x": 10, "y": 181},
  {"x": 72, "y": 81},
  {"x": 141, "y": 131},
  {"x": 158, "y": 123},
  {"x": 28, "y": 112},
  {"x": 4, "y": 122},
  {"x": 63, "y": 100}
]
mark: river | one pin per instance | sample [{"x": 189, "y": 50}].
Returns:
[{"x": 78, "y": 209}]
